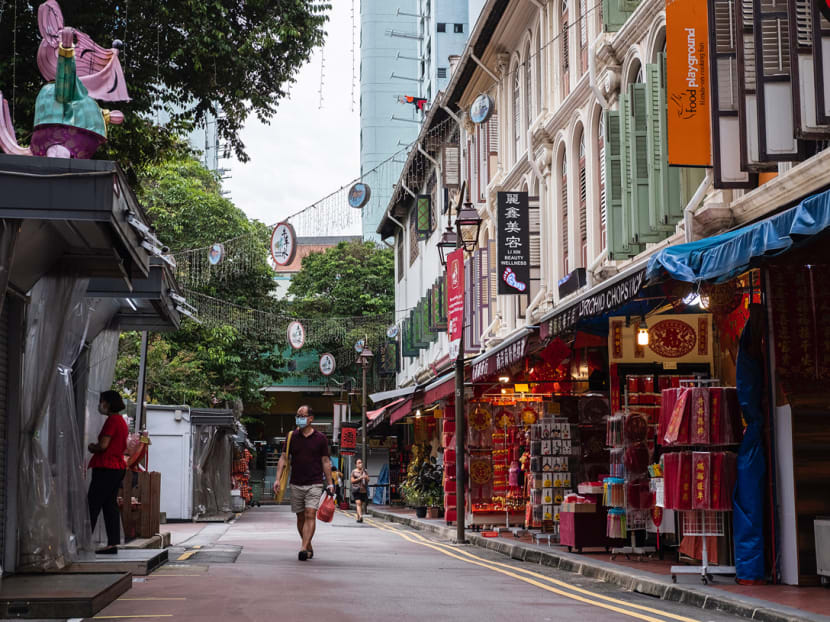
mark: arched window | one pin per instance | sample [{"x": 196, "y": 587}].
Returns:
[
  {"x": 603, "y": 209},
  {"x": 529, "y": 116},
  {"x": 583, "y": 203},
  {"x": 538, "y": 69},
  {"x": 564, "y": 210},
  {"x": 517, "y": 111},
  {"x": 563, "y": 39},
  {"x": 583, "y": 35}
]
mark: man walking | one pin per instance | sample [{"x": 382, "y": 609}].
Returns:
[{"x": 308, "y": 451}]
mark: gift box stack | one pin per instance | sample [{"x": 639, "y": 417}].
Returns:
[
  {"x": 554, "y": 455},
  {"x": 448, "y": 442},
  {"x": 700, "y": 423}
]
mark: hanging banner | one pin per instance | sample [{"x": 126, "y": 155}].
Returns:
[
  {"x": 514, "y": 243},
  {"x": 455, "y": 294},
  {"x": 687, "y": 83},
  {"x": 348, "y": 438}
]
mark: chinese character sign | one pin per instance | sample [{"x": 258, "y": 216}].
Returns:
[
  {"x": 514, "y": 243},
  {"x": 455, "y": 294}
]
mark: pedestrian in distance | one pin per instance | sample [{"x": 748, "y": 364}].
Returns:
[
  {"x": 307, "y": 450},
  {"x": 108, "y": 468},
  {"x": 337, "y": 478},
  {"x": 360, "y": 488}
]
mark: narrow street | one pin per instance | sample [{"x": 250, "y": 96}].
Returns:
[{"x": 248, "y": 570}]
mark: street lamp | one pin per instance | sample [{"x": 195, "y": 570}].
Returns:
[
  {"x": 467, "y": 228},
  {"x": 364, "y": 359}
]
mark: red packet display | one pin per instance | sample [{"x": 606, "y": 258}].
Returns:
[
  {"x": 669, "y": 399},
  {"x": 677, "y": 431},
  {"x": 700, "y": 432},
  {"x": 718, "y": 488},
  {"x": 729, "y": 478},
  {"x": 684, "y": 479},
  {"x": 638, "y": 495},
  {"x": 671, "y": 468},
  {"x": 701, "y": 480},
  {"x": 716, "y": 425}
]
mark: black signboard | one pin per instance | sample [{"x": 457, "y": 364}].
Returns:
[{"x": 514, "y": 243}]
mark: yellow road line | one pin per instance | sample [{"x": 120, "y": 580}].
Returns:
[
  {"x": 197, "y": 546},
  {"x": 494, "y": 567},
  {"x": 155, "y": 615},
  {"x": 186, "y": 555}
]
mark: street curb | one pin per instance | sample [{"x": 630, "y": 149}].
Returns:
[{"x": 628, "y": 579}]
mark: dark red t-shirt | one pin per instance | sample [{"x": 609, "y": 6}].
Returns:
[
  {"x": 307, "y": 458},
  {"x": 113, "y": 457}
]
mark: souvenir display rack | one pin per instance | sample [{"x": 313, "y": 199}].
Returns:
[
  {"x": 699, "y": 424},
  {"x": 554, "y": 457},
  {"x": 241, "y": 473}
]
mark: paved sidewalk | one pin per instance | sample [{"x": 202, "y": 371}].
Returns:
[{"x": 767, "y": 603}]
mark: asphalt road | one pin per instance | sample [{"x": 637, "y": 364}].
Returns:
[{"x": 248, "y": 571}]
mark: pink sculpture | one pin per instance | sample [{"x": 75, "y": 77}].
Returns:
[{"x": 68, "y": 122}]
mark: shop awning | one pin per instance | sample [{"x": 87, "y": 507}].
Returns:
[
  {"x": 595, "y": 302},
  {"x": 394, "y": 393},
  {"x": 371, "y": 415},
  {"x": 507, "y": 353},
  {"x": 723, "y": 257},
  {"x": 440, "y": 389},
  {"x": 400, "y": 411}
]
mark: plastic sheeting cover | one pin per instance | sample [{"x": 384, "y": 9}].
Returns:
[
  {"x": 721, "y": 257},
  {"x": 211, "y": 470},
  {"x": 52, "y": 509},
  {"x": 748, "y": 504}
]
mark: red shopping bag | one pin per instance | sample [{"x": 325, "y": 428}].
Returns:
[{"x": 325, "y": 512}]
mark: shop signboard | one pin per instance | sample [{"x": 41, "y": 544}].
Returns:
[
  {"x": 500, "y": 359},
  {"x": 455, "y": 295},
  {"x": 283, "y": 244},
  {"x": 597, "y": 303},
  {"x": 513, "y": 243},
  {"x": 687, "y": 83}
]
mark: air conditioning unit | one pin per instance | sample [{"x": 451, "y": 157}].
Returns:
[{"x": 821, "y": 525}]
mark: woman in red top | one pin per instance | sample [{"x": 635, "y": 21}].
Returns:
[{"x": 108, "y": 467}]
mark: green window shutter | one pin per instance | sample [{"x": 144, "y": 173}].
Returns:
[
  {"x": 616, "y": 12},
  {"x": 442, "y": 304},
  {"x": 626, "y": 231},
  {"x": 614, "y": 189},
  {"x": 424, "y": 216},
  {"x": 657, "y": 150},
  {"x": 640, "y": 231},
  {"x": 406, "y": 339},
  {"x": 421, "y": 340}
]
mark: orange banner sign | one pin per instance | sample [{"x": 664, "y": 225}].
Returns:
[{"x": 687, "y": 83}]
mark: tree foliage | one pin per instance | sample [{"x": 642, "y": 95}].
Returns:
[
  {"x": 203, "y": 365},
  {"x": 185, "y": 57}
]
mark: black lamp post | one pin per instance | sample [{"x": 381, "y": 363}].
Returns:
[
  {"x": 364, "y": 359},
  {"x": 467, "y": 228}
]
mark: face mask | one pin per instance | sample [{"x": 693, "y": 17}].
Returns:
[{"x": 301, "y": 421}]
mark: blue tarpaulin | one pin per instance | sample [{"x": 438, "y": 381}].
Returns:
[
  {"x": 381, "y": 486},
  {"x": 723, "y": 257},
  {"x": 748, "y": 500}
]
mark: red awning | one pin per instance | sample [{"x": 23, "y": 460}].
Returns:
[
  {"x": 441, "y": 390},
  {"x": 371, "y": 415},
  {"x": 400, "y": 411}
]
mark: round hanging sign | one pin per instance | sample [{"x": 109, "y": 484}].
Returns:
[
  {"x": 672, "y": 339},
  {"x": 283, "y": 244},
  {"x": 359, "y": 345},
  {"x": 296, "y": 335},
  {"x": 482, "y": 108},
  {"x": 216, "y": 254},
  {"x": 392, "y": 331},
  {"x": 327, "y": 364},
  {"x": 359, "y": 195}
]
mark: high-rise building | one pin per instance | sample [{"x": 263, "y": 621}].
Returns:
[{"x": 405, "y": 47}]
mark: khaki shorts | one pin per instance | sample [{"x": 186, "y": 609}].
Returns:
[{"x": 305, "y": 497}]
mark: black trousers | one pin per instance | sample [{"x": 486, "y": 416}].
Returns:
[{"x": 103, "y": 495}]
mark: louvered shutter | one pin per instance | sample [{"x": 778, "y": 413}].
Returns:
[
  {"x": 565, "y": 51},
  {"x": 475, "y": 286},
  {"x": 538, "y": 69},
  {"x": 660, "y": 173},
  {"x": 528, "y": 71},
  {"x": 615, "y": 185},
  {"x": 821, "y": 60},
  {"x": 484, "y": 291},
  {"x": 583, "y": 205},
  {"x": 803, "y": 71},
  {"x": 775, "y": 86},
  {"x": 583, "y": 36},
  {"x": 517, "y": 113},
  {"x": 724, "y": 78},
  {"x": 535, "y": 231},
  {"x": 492, "y": 256},
  {"x": 603, "y": 195},
  {"x": 424, "y": 216},
  {"x": 451, "y": 166},
  {"x": 442, "y": 303},
  {"x": 747, "y": 89},
  {"x": 563, "y": 215},
  {"x": 493, "y": 142},
  {"x": 641, "y": 231},
  {"x": 469, "y": 159},
  {"x": 616, "y": 12}
]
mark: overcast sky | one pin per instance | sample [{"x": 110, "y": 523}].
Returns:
[{"x": 305, "y": 153}]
